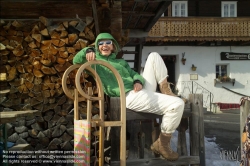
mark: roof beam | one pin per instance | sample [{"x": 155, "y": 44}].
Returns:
[
  {"x": 133, "y": 9},
  {"x": 161, "y": 9},
  {"x": 144, "y": 9},
  {"x": 147, "y": 14}
]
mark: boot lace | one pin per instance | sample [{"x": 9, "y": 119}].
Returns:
[
  {"x": 166, "y": 88},
  {"x": 168, "y": 147}
]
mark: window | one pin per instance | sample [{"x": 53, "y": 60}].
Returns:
[
  {"x": 228, "y": 9},
  {"x": 221, "y": 71},
  {"x": 179, "y": 9}
]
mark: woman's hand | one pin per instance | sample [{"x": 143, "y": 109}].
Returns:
[
  {"x": 90, "y": 56},
  {"x": 137, "y": 87}
]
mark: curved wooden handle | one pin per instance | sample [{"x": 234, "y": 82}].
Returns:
[
  {"x": 98, "y": 80},
  {"x": 64, "y": 82}
]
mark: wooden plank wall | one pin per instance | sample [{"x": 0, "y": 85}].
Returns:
[{"x": 51, "y": 9}]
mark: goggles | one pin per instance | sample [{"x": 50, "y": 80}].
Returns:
[{"x": 104, "y": 42}]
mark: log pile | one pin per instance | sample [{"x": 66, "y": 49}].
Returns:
[{"x": 34, "y": 56}]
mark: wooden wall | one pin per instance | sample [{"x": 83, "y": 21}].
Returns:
[{"x": 51, "y": 9}]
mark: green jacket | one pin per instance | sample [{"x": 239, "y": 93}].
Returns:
[{"x": 109, "y": 82}]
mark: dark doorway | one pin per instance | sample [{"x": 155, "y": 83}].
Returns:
[{"x": 169, "y": 61}]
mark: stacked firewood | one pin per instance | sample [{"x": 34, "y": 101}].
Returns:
[{"x": 34, "y": 56}]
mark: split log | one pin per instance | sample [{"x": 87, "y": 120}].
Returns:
[
  {"x": 30, "y": 122},
  {"x": 35, "y": 29},
  {"x": 17, "y": 24},
  {"x": 33, "y": 133},
  {"x": 45, "y": 32},
  {"x": 21, "y": 141},
  {"x": 13, "y": 138},
  {"x": 63, "y": 34},
  {"x": 20, "y": 67},
  {"x": 18, "y": 51},
  {"x": 36, "y": 126},
  {"x": 37, "y": 37},
  {"x": 38, "y": 73},
  {"x": 58, "y": 131},
  {"x": 48, "y": 70},
  {"x": 55, "y": 35},
  {"x": 45, "y": 21},
  {"x": 28, "y": 39},
  {"x": 5, "y": 52},
  {"x": 47, "y": 133},
  {"x": 54, "y": 144},
  {"x": 73, "y": 38},
  {"x": 24, "y": 135},
  {"x": 21, "y": 129},
  {"x": 11, "y": 74},
  {"x": 67, "y": 146},
  {"x": 62, "y": 121}
]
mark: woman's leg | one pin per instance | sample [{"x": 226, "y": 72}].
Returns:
[
  {"x": 155, "y": 71},
  {"x": 152, "y": 102}
]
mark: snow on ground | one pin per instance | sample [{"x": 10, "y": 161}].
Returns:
[{"x": 214, "y": 156}]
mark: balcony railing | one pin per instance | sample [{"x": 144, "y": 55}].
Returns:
[{"x": 201, "y": 28}]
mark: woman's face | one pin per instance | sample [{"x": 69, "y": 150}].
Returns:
[{"x": 105, "y": 47}]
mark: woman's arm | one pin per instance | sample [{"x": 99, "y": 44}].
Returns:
[
  {"x": 136, "y": 76},
  {"x": 80, "y": 57}
]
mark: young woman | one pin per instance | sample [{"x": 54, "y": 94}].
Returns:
[{"x": 140, "y": 89}]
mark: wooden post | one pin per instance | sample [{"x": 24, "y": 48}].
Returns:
[
  {"x": 197, "y": 147},
  {"x": 138, "y": 56},
  {"x": 182, "y": 143},
  {"x": 116, "y": 20},
  {"x": 97, "y": 31}
]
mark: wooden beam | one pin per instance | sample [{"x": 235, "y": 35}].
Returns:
[
  {"x": 128, "y": 20},
  {"x": 161, "y": 9},
  {"x": 116, "y": 23},
  {"x": 97, "y": 30},
  {"x": 33, "y": 9},
  {"x": 138, "y": 56},
  {"x": 201, "y": 43},
  {"x": 245, "y": 43},
  {"x": 148, "y": 14},
  {"x": 139, "y": 19}
]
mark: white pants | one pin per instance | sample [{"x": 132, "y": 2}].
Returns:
[{"x": 149, "y": 101}]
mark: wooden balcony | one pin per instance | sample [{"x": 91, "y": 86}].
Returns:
[{"x": 200, "y": 29}]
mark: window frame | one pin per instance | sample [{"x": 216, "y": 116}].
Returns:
[
  {"x": 220, "y": 74},
  {"x": 179, "y": 2},
  {"x": 228, "y": 3}
]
